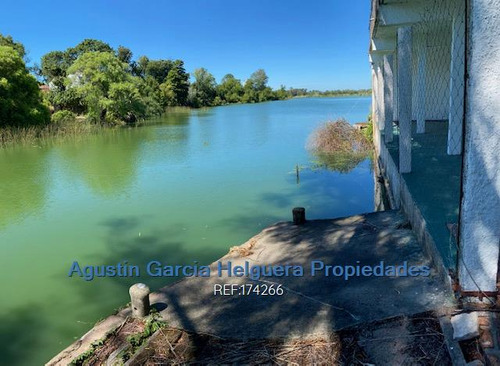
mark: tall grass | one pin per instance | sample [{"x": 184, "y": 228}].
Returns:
[{"x": 42, "y": 134}]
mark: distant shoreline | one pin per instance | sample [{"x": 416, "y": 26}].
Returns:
[{"x": 331, "y": 96}]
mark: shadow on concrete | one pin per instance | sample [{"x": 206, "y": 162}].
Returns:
[
  {"x": 311, "y": 306},
  {"x": 434, "y": 183}
]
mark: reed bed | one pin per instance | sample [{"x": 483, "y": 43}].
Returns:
[{"x": 42, "y": 134}]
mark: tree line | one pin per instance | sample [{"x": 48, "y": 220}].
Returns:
[
  {"x": 109, "y": 86},
  {"x": 295, "y": 92},
  {"x": 92, "y": 77}
]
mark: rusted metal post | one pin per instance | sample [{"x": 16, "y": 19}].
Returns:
[
  {"x": 299, "y": 215},
  {"x": 139, "y": 297}
]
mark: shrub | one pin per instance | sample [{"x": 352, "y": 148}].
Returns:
[
  {"x": 338, "y": 137},
  {"x": 62, "y": 117},
  {"x": 339, "y": 146}
]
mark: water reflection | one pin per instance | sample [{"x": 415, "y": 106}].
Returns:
[
  {"x": 170, "y": 138},
  {"x": 183, "y": 187},
  {"x": 342, "y": 162},
  {"x": 174, "y": 117},
  {"x": 107, "y": 163},
  {"x": 24, "y": 182}
]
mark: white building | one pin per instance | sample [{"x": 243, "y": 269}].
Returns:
[{"x": 436, "y": 110}]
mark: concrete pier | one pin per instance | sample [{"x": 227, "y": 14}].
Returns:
[{"x": 310, "y": 305}]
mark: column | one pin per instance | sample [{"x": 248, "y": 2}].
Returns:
[
  {"x": 380, "y": 92},
  {"x": 374, "y": 96},
  {"x": 404, "y": 97},
  {"x": 395, "y": 87},
  {"x": 457, "y": 67},
  {"x": 480, "y": 206},
  {"x": 421, "y": 83},
  {"x": 388, "y": 97}
]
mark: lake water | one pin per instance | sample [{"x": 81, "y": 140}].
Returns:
[{"x": 185, "y": 188}]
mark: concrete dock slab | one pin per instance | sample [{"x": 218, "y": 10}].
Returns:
[{"x": 311, "y": 306}]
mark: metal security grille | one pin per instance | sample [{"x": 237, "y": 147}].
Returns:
[
  {"x": 438, "y": 66},
  {"x": 428, "y": 72}
]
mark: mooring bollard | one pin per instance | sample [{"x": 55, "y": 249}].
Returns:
[
  {"x": 299, "y": 215},
  {"x": 139, "y": 296}
]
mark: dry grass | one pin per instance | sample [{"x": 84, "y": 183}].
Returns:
[
  {"x": 245, "y": 249},
  {"x": 338, "y": 137},
  {"x": 413, "y": 340},
  {"x": 339, "y": 146},
  {"x": 195, "y": 349},
  {"x": 420, "y": 338}
]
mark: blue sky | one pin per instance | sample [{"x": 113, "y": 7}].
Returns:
[{"x": 315, "y": 44}]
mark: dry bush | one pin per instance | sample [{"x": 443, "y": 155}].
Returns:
[
  {"x": 338, "y": 137},
  {"x": 339, "y": 146}
]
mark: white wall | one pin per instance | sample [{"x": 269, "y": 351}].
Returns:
[{"x": 480, "y": 207}]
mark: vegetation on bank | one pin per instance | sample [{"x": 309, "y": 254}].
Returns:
[
  {"x": 108, "y": 87},
  {"x": 340, "y": 146},
  {"x": 11, "y": 135},
  {"x": 121, "y": 344},
  {"x": 20, "y": 99}
]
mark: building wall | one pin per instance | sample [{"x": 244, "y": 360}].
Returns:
[
  {"x": 479, "y": 221},
  {"x": 480, "y": 207}
]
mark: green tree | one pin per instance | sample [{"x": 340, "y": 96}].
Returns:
[
  {"x": 8, "y": 41},
  {"x": 53, "y": 68},
  {"x": 151, "y": 95},
  {"x": 176, "y": 86},
  {"x": 124, "y": 54},
  {"x": 139, "y": 67},
  {"x": 266, "y": 94},
  {"x": 203, "y": 90},
  {"x": 158, "y": 69},
  {"x": 230, "y": 89},
  {"x": 281, "y": 93},
  {"x": 259, "y": 80},
  {"x": 94, "y": 75},
  {"x": 20, "y": 99},
  {"x": 125, "y": 102},
  {"x": 87, "y": 45},
  {"x": 250, "y": 94},
  {"x": 256, "y": 89},
  {"x": 67, "y": 99}
]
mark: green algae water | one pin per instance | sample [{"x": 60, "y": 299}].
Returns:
[{"x": 184, "y": 188}]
